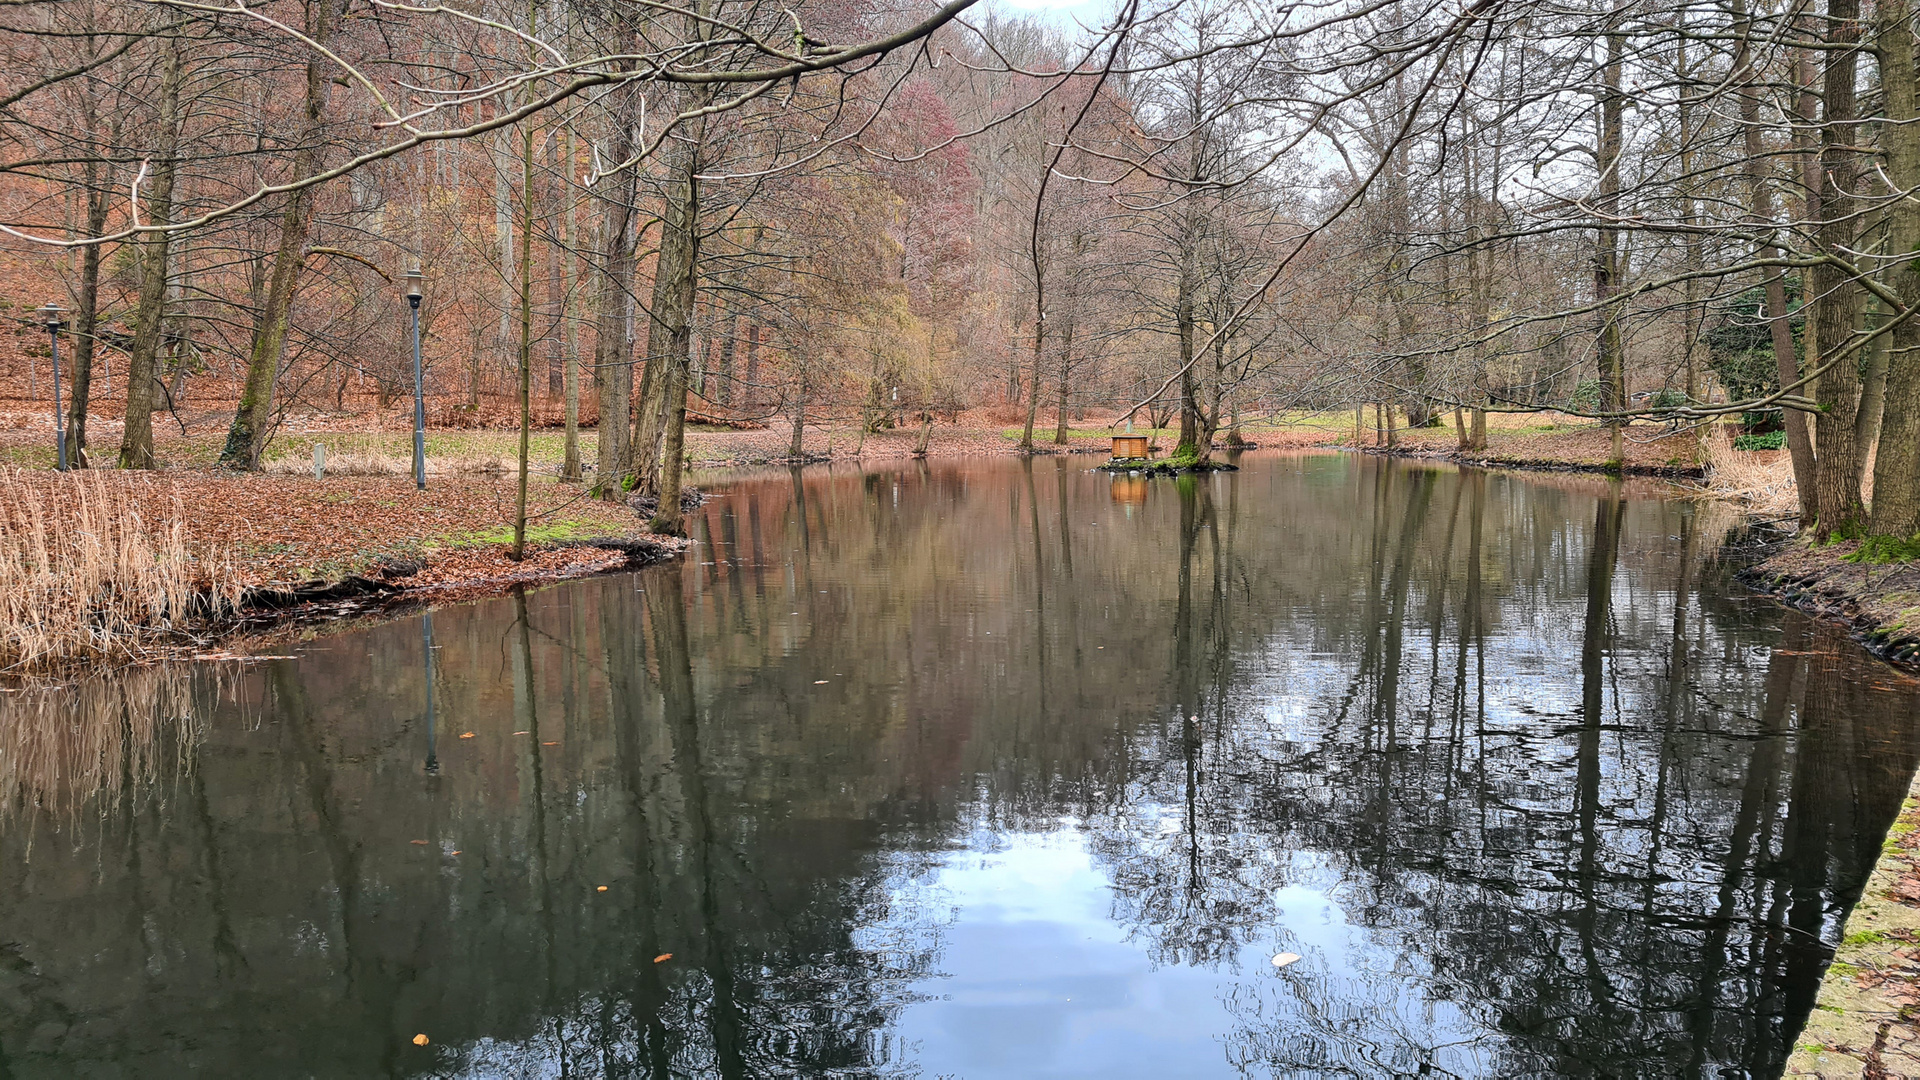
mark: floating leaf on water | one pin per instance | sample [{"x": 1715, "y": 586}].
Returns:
[
  {"x": 420, "y": 842},
  {"x": 556, "y": 742},
  {"x": 1281, "y": 960},
  {"x": 523, "y": 733},
  {"x": 663, "y": 958},
  {"x": 420, "y": 1039},
  {"x": 468, "y": 735}
]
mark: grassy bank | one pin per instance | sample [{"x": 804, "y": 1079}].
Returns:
[{"x": 1866, "y": 1022}]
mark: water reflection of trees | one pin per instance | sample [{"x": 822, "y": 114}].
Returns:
[
  {"x": 1607, "y": 888},
  {"x": 1512, "y": 729}
]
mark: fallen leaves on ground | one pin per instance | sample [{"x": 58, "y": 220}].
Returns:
[{"x": 276, "y": 530}]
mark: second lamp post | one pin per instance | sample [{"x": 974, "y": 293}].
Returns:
[
  {"x": 50, "y": 318},
  {"x": 419, "y": 389}
]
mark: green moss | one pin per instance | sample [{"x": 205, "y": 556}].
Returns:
[
  {"x": 542, "y": 533},
  {"x": 1886, "y": 549},
  {"x": 1865, "y": 937},
  {"x": 1842, "y": 969}
]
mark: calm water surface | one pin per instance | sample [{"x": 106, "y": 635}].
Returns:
[{"x": 979, "y": 769}]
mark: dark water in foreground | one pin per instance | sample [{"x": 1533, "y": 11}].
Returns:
[{"x": 979, "y": 770}]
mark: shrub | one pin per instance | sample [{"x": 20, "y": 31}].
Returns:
[{"x": 1771, "y": 440}]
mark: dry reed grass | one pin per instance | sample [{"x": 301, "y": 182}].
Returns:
[
  {"x": 1761, "y": 480},
  {"x": 86, "y": 577},
  {"x": 122, "y": 736}
]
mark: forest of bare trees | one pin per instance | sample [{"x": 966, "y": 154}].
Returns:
[{"x": 1652, "y": 214}]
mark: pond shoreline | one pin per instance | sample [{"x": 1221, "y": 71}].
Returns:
[
  {"x": 1862, "y": 1024},
  {"x": 399, "y": 588},
  {"x": 1878, "y": 603},
  {"x": 1484, "y": 460},
  {"x": 253, "y": 555}
]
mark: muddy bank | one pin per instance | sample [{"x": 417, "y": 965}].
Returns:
[
  {"x": 462, "y": 576},
  {"x": 1879, "y": 603},
  {"x": 395, "y": 590}
]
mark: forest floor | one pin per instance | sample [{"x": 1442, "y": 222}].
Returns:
[{"x": 1866, "y": 1021}]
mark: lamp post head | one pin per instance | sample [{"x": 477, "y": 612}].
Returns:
[
  {"x": 50, "y": 316},
  {"x": 414, "y": 278}
]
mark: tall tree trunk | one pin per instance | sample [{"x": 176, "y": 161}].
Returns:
[
  {"x": 1606, "y": 248},
  {"x": 136, "y": 443},
  {"x": 556, "y": 341},
  {"x": 1033, "y": 397},
  {"x": 1066, "y": 372},
  {"x": 1837, "y": 310},
  {"x": 750, "y": 393},
  {"x": 570, "y": 327},
  {"x": 1896, "y": 469},
  {"x": 1183, "y": 314},
  {"x": 663, "y": 402},
  {"x": 723, "y": 388},
  {"x": 795, "y": 447},
  {"x": 612, "y": 360},
  {"x": 86, "y": 321},
  {"x": 525, "y": 353},
  {"x": 1873, "y": 398},
  {"x": 252, "y": 421},
  {"x": 498, "y": 155}
]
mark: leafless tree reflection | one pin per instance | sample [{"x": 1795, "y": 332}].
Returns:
[{"x": 1527, "y": 786}]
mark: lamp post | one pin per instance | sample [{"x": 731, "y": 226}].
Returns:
[
  {"x": 50, "y": 318},
  {"x": 419, "y": 388}
]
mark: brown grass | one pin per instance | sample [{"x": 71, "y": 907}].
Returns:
[
  {"x": 373, "y": 463},
  {"x": 86, "y": 577},
  {"x": 1761, "y": 480}
]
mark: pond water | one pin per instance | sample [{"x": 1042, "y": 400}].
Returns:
[{"x": 982, "y": 769}]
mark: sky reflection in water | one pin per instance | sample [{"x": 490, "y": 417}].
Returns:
[{"x": 981, "y": 769}]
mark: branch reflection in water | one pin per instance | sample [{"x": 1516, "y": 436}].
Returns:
[{"x": 982, "y": 768}]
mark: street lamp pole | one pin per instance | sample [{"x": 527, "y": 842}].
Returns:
[
  {"x": 419, "y": 387},
  {"x": 51, "y": 318}
]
